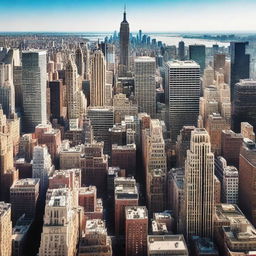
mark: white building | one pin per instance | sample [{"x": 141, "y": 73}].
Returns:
[
  {"x": 61, "y": 227},
  {"x": 42, "y": 166},
  {"x": 145, "y": 84},
  {"x": 34, "y": 89}
]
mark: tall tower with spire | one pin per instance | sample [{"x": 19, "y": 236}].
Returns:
[{"x": 124, "y": 41}]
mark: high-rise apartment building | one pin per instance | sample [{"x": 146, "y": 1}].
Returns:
[
  {"x": 5, "y": 229},
  {"x": 197, "y": 54},
  {"x": 95, "y": 239},
  {"x": 61, "y": 225},
  {"x": 199, "y": 186},
  {"x": 126, "y": 194},
  {"x": 23, "y": 198},
  {"x": 136, "y": 230},
  {"x": 182, "y": 95},
  {"x": 145, "y": 85},
  {"x": 240, "y": 64},
  {"x": 34, "y": 89}
]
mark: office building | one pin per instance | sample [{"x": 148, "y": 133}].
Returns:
[
  {"x": 240, "y": 64},
  {"x": 182, "y": 95},
  {"x": 145, "y": 85},
  {"x": 167, "y": 245},
  {"x": 95, "y": 240},
  {"x": 124, "y": 157},
  {"x": 247, "y": 173},
  {"x": 136, "y": 230},
  {"x": 79, "y": 59},
  {"x": 124, "y": 44},
  {"x": 42, "y": 167},
  {"x": 126, "y": 194},
  {"x": 101, "y": 119},
  {"x": 181, "y": 51},
  {"x": 5, "y": 229},
  {"x": 202, "y": 246},
  {"x": 219, "y": 63},
  {"x": 98, "y": 79},
  {"x": 23, "y": 198},
  {"x": 247, "y": 131},
  {"x": 57, "y": 99},
  {"x": 197, "y": 54},
  {"x": 234, "y": 234},
  {"x": 72, "y": 90},
  {"x": 198, "y": 186},
  {"x": 34, "y": 89},
  {"x": 231, "y": 143},
  {"x": 244, "y": 104},
  {"x": 61, "y": 219}
]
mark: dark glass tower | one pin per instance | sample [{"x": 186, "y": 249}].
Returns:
[
  {"x": 124, "y": 41},
  {"x": 240, "y": 64},
  {"x": 244, "y": 104},
  {"x": 197, "y": 54},
  {"x": 181, "y": 51}
]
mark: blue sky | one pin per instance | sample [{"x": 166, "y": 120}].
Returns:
[{"x": 149, "y": 15}]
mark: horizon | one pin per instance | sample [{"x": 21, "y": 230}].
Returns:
[{"x": 160, "y": 16}]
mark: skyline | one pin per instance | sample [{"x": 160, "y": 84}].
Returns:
[{"x": 157, "y": 16}]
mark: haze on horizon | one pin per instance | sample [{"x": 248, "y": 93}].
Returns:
[{"x": 148, "y": 15}]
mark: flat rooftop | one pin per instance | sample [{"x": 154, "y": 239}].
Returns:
[
  {"x": 136, "y": 212},
  {"x": 182, "y": 64},
  {"x": 167, "y": 243},
  {"x": 29, "y": 182}
]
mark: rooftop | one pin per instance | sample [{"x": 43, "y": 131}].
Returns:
[
  {"x": 182, "y": 64},
  {"x": 4, "y": 207},
  {"x": 136, "y": 212},
  {"x": 29, "y": 182},
  {"x": 167, "y": 243}
]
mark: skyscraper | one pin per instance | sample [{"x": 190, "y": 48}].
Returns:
[
  {"x": 182, "y": 95},
  {"x": 34, "y": 89},
  {"x": 5, "y": 230},
  {"x": 197, "y": 53},
  {"x": 124, "y": 42},
  {"x": 80, "y": 61},
  {"x": 145, "y": 85},
  {"x": 7, "y": 92},
  {"x": 72, "y": 90},
  {"x": 199, "y": 183},
  {"x": 240, "y": 64},
  {"x": 244, "y": 104},
  {"x": 181, "y": 50},
  {"x": 98, "y": 79},
  {"x": 247, "y": 178}
]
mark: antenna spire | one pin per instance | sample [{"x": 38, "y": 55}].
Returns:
[{"x": 124, "y": 12}]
